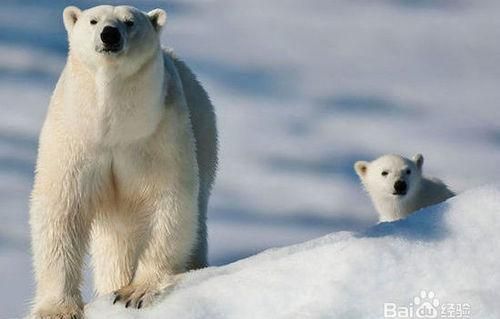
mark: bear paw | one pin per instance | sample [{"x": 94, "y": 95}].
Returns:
[
  {"x": 137, "y": 295},
  {"x": 58, "y": 312}
]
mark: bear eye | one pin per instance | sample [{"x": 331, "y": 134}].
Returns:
[
  {"x": 385, "y": 173},
  {"x": 93, "y": 21},
  {"x": 129, "y": 23},
  {"x": 408, "y": 171}
]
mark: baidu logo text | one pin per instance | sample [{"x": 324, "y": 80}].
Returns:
[{"x": 427, "y": 306}]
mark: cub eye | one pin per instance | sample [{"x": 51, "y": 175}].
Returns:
[
  {"x": 129, "y": 23},
  {"x": 408, "y": 171},
  {"x": 385, "y": 173},
  {"x": 93, "y": 21}
]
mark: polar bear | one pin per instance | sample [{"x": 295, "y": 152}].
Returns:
[
  {"x": 127, "y": 158},
  {"x": 397, "y": 187}
]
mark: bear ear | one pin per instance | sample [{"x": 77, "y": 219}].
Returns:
[
  {"x": 361, "y": 167},
  {"x": 70, "y": 16},
  {"x": 158, "y": 18},
  {"x": 419, "y": 160}
]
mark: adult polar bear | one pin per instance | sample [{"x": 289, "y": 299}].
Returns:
[{"x": 127, "y": 158}]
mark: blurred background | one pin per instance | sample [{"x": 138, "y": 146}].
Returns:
[{"x": 302, "y": 90}]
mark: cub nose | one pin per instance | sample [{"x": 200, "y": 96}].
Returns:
[
  {"x": 110, "y": 36},
  {"x": 400, "y": 187}
]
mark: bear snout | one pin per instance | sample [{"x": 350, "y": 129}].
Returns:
[
  {"x": 400, "y": 187},
  {"x": 111, "y": 38}
]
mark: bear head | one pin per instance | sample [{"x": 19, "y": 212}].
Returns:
[
  {"x": 113, "y": 36},
  {"x": 391, "y": 176}
]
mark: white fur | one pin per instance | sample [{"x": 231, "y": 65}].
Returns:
[
  {"x": 126, "y": 162},
  {"x": 422, "y": 191}
]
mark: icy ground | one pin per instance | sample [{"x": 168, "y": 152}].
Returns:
[
  {"x": 448, "y": 251},
  {"x": 302, "y": 90}
]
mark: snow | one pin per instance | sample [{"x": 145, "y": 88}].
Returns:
[
  {"x": 302, "y": 90},
  {"x": 450, "y": 249}
]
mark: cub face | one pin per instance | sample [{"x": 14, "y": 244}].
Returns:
[
  {"x": 391, "y": 176},
  {"x": 113, "y": 34}
]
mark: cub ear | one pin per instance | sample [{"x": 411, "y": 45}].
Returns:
[
  {"x": 419, "y": 160},
  {"x": 70, "y": 16},
  {"x": 158, "y": 18},
  {"x": 361, "y": 167}
]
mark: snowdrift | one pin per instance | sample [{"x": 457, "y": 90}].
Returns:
[{"x": 444, "y": 260}]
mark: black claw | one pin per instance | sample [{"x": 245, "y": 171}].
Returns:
[
  {"x": 127, "y": 304},
  {"x": 139, "y": 305},
  {"x": 117, "y": 298}
]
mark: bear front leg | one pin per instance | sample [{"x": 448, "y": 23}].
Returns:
[
  {"x": 59, "y": 236},
  {"x": 115, "y": 245},
  {"x": 170, "y": 244},
  {"x": 60, "y": 223}
]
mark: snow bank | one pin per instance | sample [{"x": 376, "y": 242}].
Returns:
[{"x": 449, "y": 252}]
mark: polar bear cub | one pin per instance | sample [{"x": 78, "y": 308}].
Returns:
[
  {"x": 126, "y": 161},
  {"x": 397, "y": 187}
]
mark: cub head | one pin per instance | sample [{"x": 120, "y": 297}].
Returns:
[
  {"x": 391, "y": 176},
  {"x": 113, "y": 34}
]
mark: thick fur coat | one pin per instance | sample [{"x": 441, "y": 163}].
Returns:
[{"x": 126, "y": 162}]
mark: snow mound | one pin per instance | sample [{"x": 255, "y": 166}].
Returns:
[{"x": 446, "y": 258}]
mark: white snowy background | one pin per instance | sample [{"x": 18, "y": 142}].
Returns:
[{"x": 302, "y": 90}]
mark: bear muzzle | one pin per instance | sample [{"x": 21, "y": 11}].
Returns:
[
  {"x": 400, "y": 187},
  {"x": 112, "y": 39}
]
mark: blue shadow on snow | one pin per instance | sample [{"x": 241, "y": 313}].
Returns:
[
  {"x": 327, "y": 166},
  {"x": 24, "y": 164},
  {"x": 366, "y": 104}
]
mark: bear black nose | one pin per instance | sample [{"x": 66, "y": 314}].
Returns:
[
  {"x": 400, "y": 187},
  {"x": 110, "y": 36}
]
